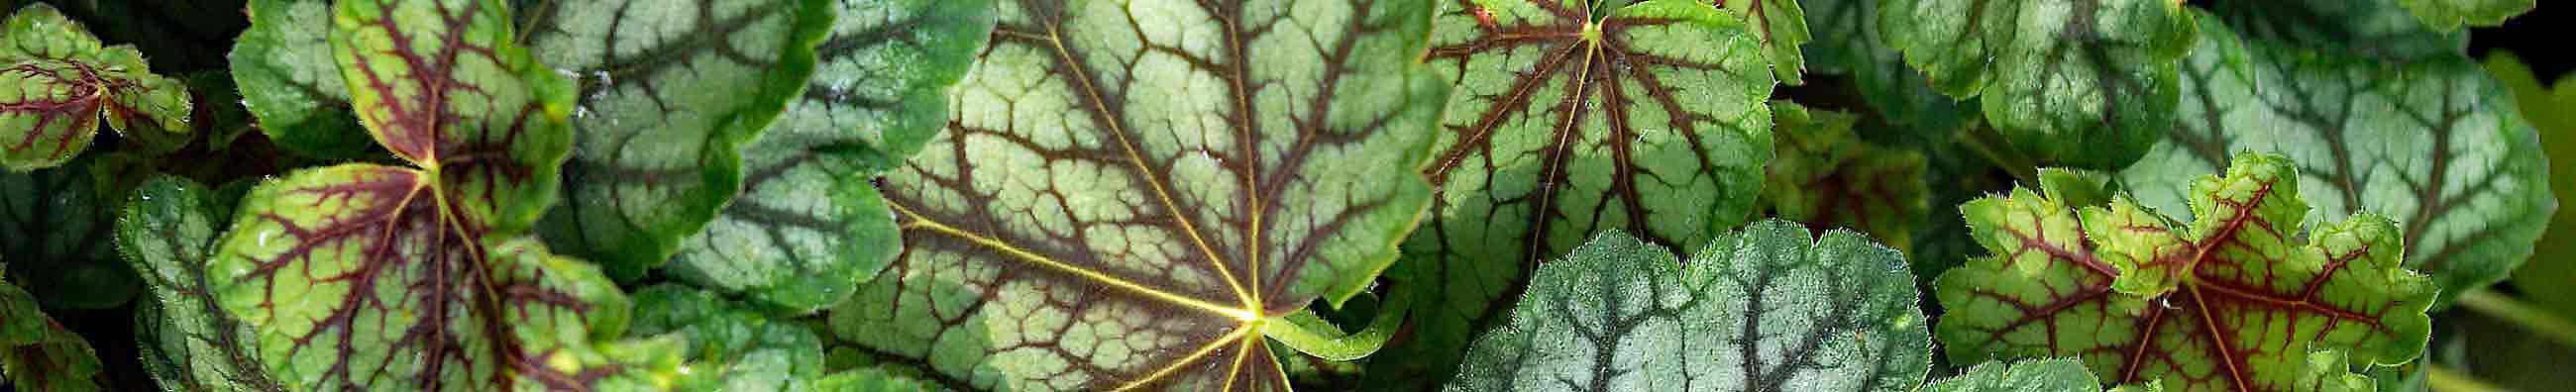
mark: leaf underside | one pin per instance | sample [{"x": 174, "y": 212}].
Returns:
[
  {"x": 1771, "y": 308},
  {"x": 2232, "y": 301},
  {"x": 1129, "y": 189}
]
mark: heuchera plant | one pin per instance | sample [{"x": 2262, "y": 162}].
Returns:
[{"x": 1279, "y": 195}]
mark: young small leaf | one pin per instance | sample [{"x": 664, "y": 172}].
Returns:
[
  {"x": 1571, "y": 118},
  {"x": 2229, "y": 302},
  {"x": 1169, "y": 173},
  {"x": 1770, "y": 308},
  {"x": 60, "y": 81},
  {"x": 2088, "y": 83},
  {"x": 670, "y": 93},
  {"x": 2435, "y": 144}
]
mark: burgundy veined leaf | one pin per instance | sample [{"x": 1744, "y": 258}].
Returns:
[
  {"x": 1782, "y": 25},
  {"x": 58, "y": 82},
  {"x": 424, "y": 278},
  {"x": 1130, "y": 191},
  {"x": 2233, "y": 301}
]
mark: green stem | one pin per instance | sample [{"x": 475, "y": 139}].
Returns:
[
  {"x": 1314, "y": 336},
  {"x": 1999, "y": 151},
  {"x": 2447, "y": 380},
  {"x": 2532, "y": 319}
]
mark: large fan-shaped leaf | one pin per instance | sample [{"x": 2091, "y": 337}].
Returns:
[
  {"x": 283, "y": 64},
  {"x": 670, "y": 93},
  {"x": 2088, "y": 83},
  {"x": 1573, "y": 117},
  {"x": 167, "y": 231},
  {"x": 809, "y": 224},
  {"x": 2230, "y": 302},
  {"x": 60, "y": 81},
  {"x": 1131, "y": 188},
  {"x": 55, "y": 227},
  {"x": 2434, "y": 143},
  {"x": 1767, "y": 309},
  {"x": 370, "y": 277}
]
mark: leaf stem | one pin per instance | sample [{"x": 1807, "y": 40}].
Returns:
[
  {"x": 2446, "y": 380},
  {"x": 2532, "y": 319},
  {"x": 1314, "y": 336},
  {"x": 1998, "y": 151}
]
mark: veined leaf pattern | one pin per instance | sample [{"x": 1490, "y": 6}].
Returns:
[
  {"x": 39, "y": 355},
  {"x": 2040, "y": 375},
  {"x": 1782, "y": 25},
  {"x": 809, "y": 224},
  {"x": 2432, "y": 143},
  {"x": 423, "y": 278},
  {"x": 670, "y": 92},
  {"x": 1770, "y": 308},
  {"x": 2232, "y": 301},
  {"x": 1853, "y": 44},
  {"x": 1826, "y": 177},
  {"x": 1130, "y": 189},
  {"x": 732, "y": 347},
  {"x": 289, "y": 82},
  {"x": 59, "y": 82},
  {"x": 168, "y": 230},
  {"x": 1573, "y": 117},
  {"x": 56, "y": 225},
  {"x": 2370, "y": 28},
  {"x": 2087, "y": 83}
]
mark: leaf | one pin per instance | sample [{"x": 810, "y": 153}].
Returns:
[
  {"x": 2448, "y": 15},
  {"x": 39, "y": 355},
  {"x": 2552, "y": 112},
  {"x": 2039, "y": 375},
  {"x": 60, "y": 82},
  {"x": 1571, "y": 119},
  {"x": 2369, "y": 28},
  {"x": 1851, "y": 44},
  {"x": 57, "y": 225},
  {"x": 168, "y": 230},
  {"x": 733, "y": 348},
  {"x": 1783, "y": 28},
  {"x": 2231, "y": 301},
  {"x": 2434, "y": 144},
  {"x": 2087, "y": 83},
  {"x": 670, "y": 93},
  {"x": 1770, "y": 308},
  {"x": 289, "y": 82},
  {"x": 371, "y": 277},
  {"x": 1171, "y": 174},
  {"x": 1824, "y": 176},
  {"x": 809, "y": 225}
]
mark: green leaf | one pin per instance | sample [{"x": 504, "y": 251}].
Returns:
[
  {"x": 2231, "y": 301},
  {"x": 56, "y": 226},
  {"x": 670, "y": 93},
  {"x": 283, "y": 64},
  {"x": 2088, "y": 83},
  {"x": 2040, "y": 375},
  {"x": 39, "y": 355},
  {"x": 168, "y": 230},
  {"x": 733, "y": 348},
  {"x": 2552, "y": 112},
  {"x": 809, "y": 225},
  {"x": 1172, "y": 174},
  {"x": 1851, "y": 44},
  {"x": 1825, "y": 176},
  {"x": 2448, "y": 15},
  {"x": 1782, "y": 27},
  {"x": 2433, "y": 144},
  {"x": 372, "y": 277},
  {"x": 1770, "y": 308},
  {"x": 2370, "y": 28},
  {"x": 1571, "y": 119},
  {"x": 60, "y": 81}
]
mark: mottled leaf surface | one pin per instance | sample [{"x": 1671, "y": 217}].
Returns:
[
  {"x": 2088, "y": 83},
  {"x": 2551, "y": 111},
  {"x": 167, "y": 230},
  {"x": 2433, "y": 144},
  {"x": 289, "y": 82},
  {"x": 422, "y": 277},
  {"x": 56, "y": 229},
  {"x": 1572, "y": 117},
  {"x": 669, "y": 94},
  {"x": 1782, "y": 27},
  {"x": 732, "y": 347},
  {"x": 2448, "y": 15},
  {"x": 1850, "y": 43},
  {"x": 60, "y": 82},
  {"x": 1826, "y": 177},
  {"x": 809, "y": 224},
  {"x": 1130, "y": 188},
  {"x": 2040, "y": 375},
  {"x": 39, "y": 355},
  {"x": 1770, "y": 308},
  {"x": 2370, "y": 28},
  {"x": 2231, "y": 301}
]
